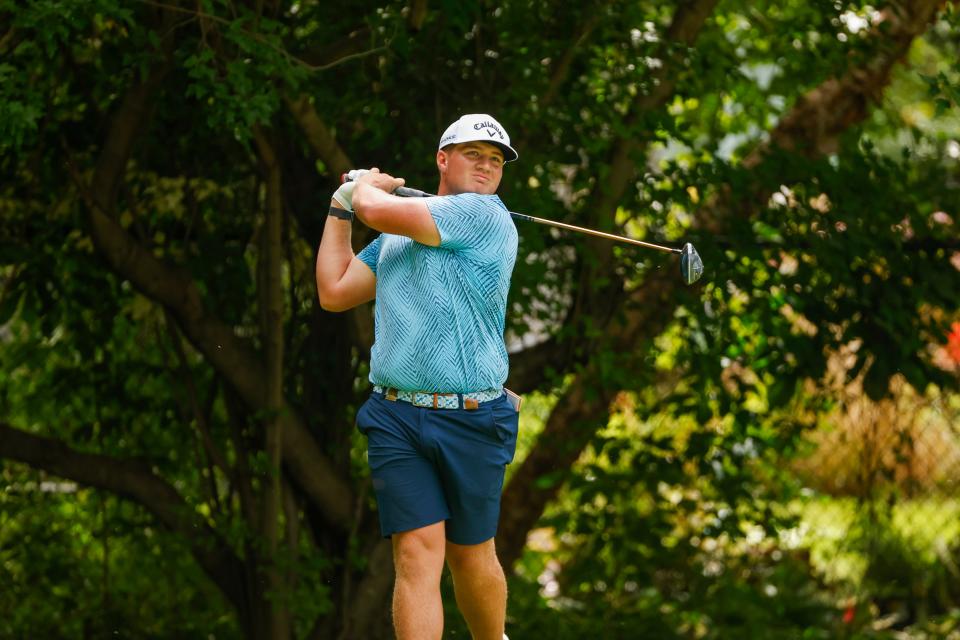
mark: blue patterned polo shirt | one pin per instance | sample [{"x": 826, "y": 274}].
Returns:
[{"x": 440, "y": 311}]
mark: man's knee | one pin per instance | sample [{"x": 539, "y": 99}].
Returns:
[
  {"x": 419, "y": 553},
  {"x": 473, "y": 558}
]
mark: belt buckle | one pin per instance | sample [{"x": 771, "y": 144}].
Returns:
[{"x": 435, "y": 397}]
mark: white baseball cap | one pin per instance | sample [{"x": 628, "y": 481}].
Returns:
[{"x": 479, "y": 127}]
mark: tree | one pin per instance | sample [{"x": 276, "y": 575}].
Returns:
[{"x": 166, "y": 168}]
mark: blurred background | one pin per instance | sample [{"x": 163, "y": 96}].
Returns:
[{"x": 773, "y": 452}]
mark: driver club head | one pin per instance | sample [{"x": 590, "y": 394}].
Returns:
[{"x": 691, "y": 266}]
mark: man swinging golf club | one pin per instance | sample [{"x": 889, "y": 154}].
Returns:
[{"x": 440, "y": 427}]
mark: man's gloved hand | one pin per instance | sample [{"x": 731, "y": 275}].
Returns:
[
  {"x": 376, "y": 178},
  {"x": 344, "y": 194},
  {"x": 354, "y": 174},
  {"x": 373, "y": 177}
]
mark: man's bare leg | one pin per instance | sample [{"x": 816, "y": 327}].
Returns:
[
  {"x": 418, "y": 559},
  {"x": 480, "y": 587}
]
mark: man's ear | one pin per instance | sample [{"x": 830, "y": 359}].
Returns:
[{"x": 441, "y": 160}]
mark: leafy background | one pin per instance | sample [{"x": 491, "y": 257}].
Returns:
[{"x": 772, "y": 453}]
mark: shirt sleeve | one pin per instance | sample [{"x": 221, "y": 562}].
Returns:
[
  {"x": 371, "y": 253},
  {"x": 471, "y": 222}
]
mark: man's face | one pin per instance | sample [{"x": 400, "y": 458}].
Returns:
[{"x": 470, "y": 167}]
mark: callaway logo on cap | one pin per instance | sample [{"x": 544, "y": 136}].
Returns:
[{"x": 479, "y": 127}]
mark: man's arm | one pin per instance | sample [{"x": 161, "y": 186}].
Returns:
[
  {"x": 392, "y": 214},
  {"x": 343, "y": 280}
]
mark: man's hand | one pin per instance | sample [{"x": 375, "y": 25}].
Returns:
[
  {"x": 382, "y": 181},
  {"x": 369, "y": 183},
  {"x": 379, "y": 209},
  {"x": 343, "y": 196}
]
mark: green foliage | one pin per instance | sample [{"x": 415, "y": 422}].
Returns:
[
  {"x": 101, "y": 566},
  {"x": 671, "y": 525},
  {"x": 943, "y": 90},
  {"x": 32, "y": 87},
  {"x": 654, "y": 538}
]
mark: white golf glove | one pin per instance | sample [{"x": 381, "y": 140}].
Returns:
[
  {"x": 353, "y": 174},
  {"x": 344, "y": 193}
]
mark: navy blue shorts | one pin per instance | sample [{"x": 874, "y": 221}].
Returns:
[{"x": 430, "y": 465}]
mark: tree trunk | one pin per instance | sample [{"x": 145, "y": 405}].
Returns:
[
  {"x": 816, "y": 121},
  {"x": 270, "y": 290}
]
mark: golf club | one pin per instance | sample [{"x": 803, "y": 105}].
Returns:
[{"x": 691, "y": 266}]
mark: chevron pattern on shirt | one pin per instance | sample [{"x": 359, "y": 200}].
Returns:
[{"x": 440, "y": 311}]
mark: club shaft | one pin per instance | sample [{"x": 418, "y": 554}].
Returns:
[
  {"x": 416, "y": 193},
  {"x": 591, "y": 232},
  {"x": 407, "y": 192}
]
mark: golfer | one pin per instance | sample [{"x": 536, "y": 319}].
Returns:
[{"x": 440, "y": 427}]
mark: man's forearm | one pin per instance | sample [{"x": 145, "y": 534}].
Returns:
[
  {"x": 335, "y": 252},
  {"x": 366, "y": 198},
  {"x": 390, "y": 214}
]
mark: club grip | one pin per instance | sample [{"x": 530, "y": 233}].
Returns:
[
  {"x": 407, "y": 192},
  {"x": 404, "y": 192}
]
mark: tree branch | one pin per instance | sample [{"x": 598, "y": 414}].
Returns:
[
  {"x": 418, "y": 13},
  {"x": 601, "y": 302},
  {"x": 215, "y": 458},
  {"x": 814, "y": 124},
  {"x": 319, "y": 136},
  {"x": 328, "y": 150},
  {"x": 362, "y": 615},
  {"x": 579, "y": 413},
  {"x": 347, "y": 47},
  {"x": 562, "y": 71},
  {"x": 684, "y": 29},
  {"x": 175, "y": 289},
  {"x": 270, "y": 290},
  {"x": 289, "y": 57},
  {"x": 529, "y": 367},
  {"x": 9, "y": 40},
  {"x": 130, "y": 480}
]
